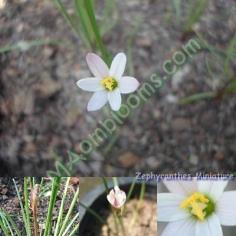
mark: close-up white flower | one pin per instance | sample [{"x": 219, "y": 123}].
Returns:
[
  {"x": 116, "y": 197},
  {"x": 196, "y": 208},
  {"x": 107, "y": 84}
]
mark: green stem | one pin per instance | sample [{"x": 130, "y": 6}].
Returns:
[
  {"x": 131, "y": 189},
  {"x": 115, "y": 218},
  {"x": 122, "y": 225},
  {"x": 115, "y": 181},
  {"x": 102, "y": 48},
  {"x": 68, "y": 215},
  {"x": 25, "y": 219},
  {"x": 92, "y": 212},
  {"x": 55, "y": 188},
  {"x": 197, "y": 97},
  {"x": 5, "y": 225},
  {"x": 60, "y": 216},
  {"x": 70, "y": 224},
  {"x": 26, "y": 203},
  {"x": 105, "y": 184},
  {"x": 67, "y": 17}
]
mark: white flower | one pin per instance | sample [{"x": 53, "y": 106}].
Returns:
[
  {"x": 116, "y": 197},
  {"x": 108, "y": 84},
  {"x": 196, "y": 208}
]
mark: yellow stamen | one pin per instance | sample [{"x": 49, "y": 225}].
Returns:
[
  {"x": 196, "y": 203},
  {"x": 109, "y": 83}
]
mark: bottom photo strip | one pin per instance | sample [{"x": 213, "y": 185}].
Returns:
[{"x": 117, "y": 206}]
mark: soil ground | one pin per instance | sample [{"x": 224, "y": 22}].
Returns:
[
  {"x": 133, "y": 223},
  {"x": 43, "y": 113}
]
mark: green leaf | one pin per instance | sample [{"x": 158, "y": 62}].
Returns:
[
  {"x": 86, "y": 26},
  {"x": 52, "y": 173},
  {"x": 100, "y": 45},
  {"x": 197, "y": 97},
  {"x": 66, "y": 16},
  {"x": 231, "y": 50},
  {"x": 92, "y": 212},
  {"x": 49, "y": 220},
  {"x": 109, "y": 16},
  {"x": 23, "y": 213},
  {"x": 196, "y": 11},
  {"x": 178, "y": 11},
  {"x": 231, "y": 88},
  {"x": 26, "y": 45}
]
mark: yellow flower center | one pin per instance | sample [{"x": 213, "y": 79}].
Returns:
[
  {"x": 109, "y": 83},
  {"x": 199, "y": 205}
]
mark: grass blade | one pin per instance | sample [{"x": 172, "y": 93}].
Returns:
[
  {"x": 177, "y": 6},
  {"x": 25, "y": 218},
  {"x": 71, "y": 224},
  {"x": 5, "y": 225},
  {"x": 109, "y": 16},
  {"x": 90, "y": 11},
  {"x": 74, "y": 230},
  {"x": 196, "y": 97},
  {"x": 59, "y": 219},
  {"x": 131, "y": 189},
  {"x": 85, "y": 21},
  {"x": 66, "y": 15},
  {"x": 67, "y": 218},
  {"x": 92, "y": 212},
  {"x": 26, "y": 45},
  {"x": 196, "y": 11},
  {"x": 230, "y": 53},
  {"x": 55, "y": 189},
  {"x": 105, "y": 184},
  {"x": 26, "y": 202},
  {"x": 10, "y": 222}
]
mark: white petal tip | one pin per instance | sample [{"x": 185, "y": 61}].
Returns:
[
  {"x": 78, "y": 83},
  {"x": 115, "y": 109},
  {"x": 90, "y": 57},
  {"x": 89, "y": 109},
  {"x": 137, "y": 85},
  {"x": 121, "y": 53},
  {"x": 90, "y": 54}
]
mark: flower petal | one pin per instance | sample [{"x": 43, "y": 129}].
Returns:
[
  {"x": 226, "y": 208},
  {"x": 114, "y": 99},
  {"x": 111, "y": 197},
  {"x": 214, "y": 189},
  {"x": 210, "y": 227},
  {"x": 90, "y": 84},
  {"x": 128, "y": 84},
  {"x": 97, "y": 101},
  {"x": 180, "y": 228},
  {"x": 184, "y": 188},
  {"x": 169, "y": 207},
  {"x": 97, "y": 66},
  {"x": 118, "y": 66}
]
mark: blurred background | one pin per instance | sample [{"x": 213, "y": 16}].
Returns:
[{"x": 187, "y": 126}]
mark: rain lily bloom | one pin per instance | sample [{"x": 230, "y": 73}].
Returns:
[
  {"x": 196, "y": 208},
  {"x": 107, "y": 84},
  {"x": 116, "y": 197}
]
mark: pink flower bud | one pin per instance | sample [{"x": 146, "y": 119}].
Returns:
[{"x": 116, "y": 197}]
